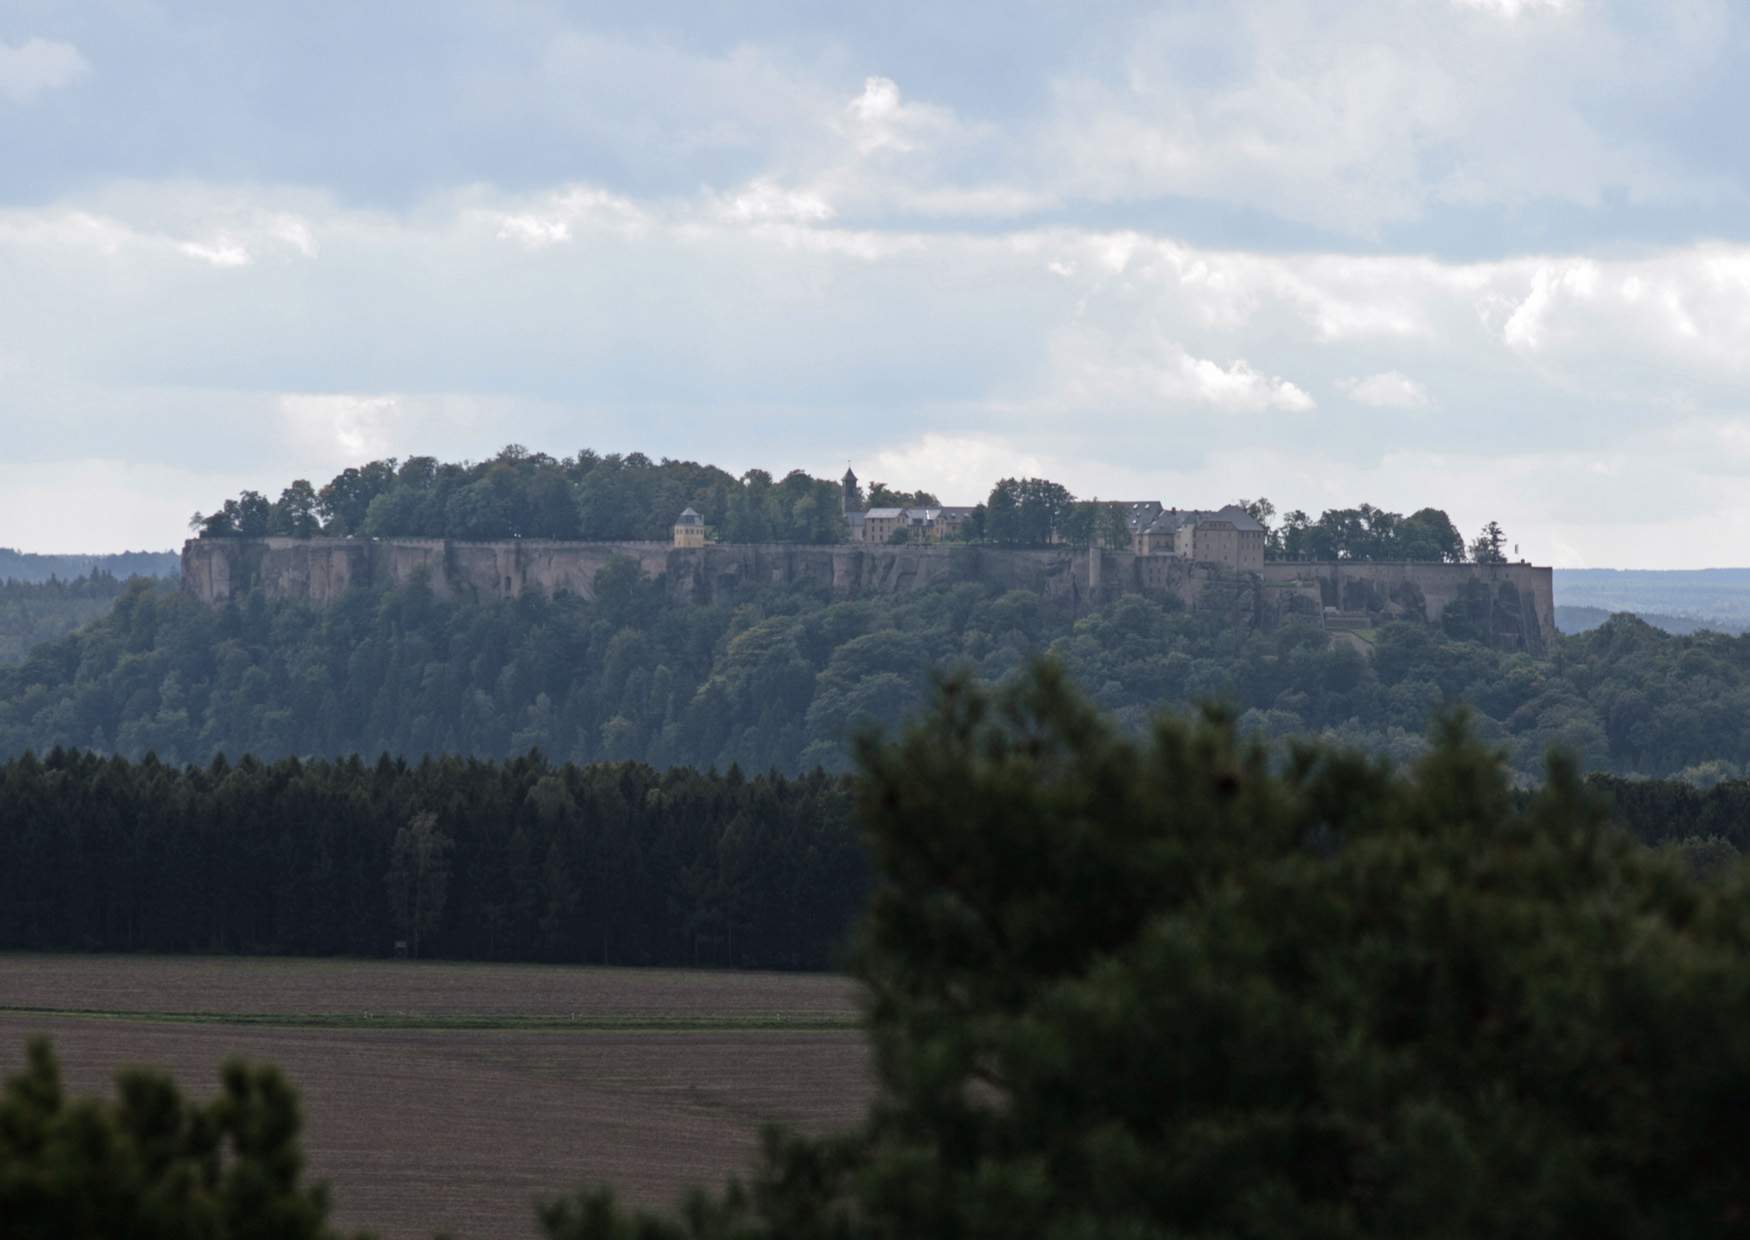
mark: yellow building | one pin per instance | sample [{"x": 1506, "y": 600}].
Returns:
[
  {"x": 689, "y": 530},
  {"x": 879, "y": 524}
]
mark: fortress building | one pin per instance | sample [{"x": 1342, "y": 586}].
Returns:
[
  {"x": 1230, "y": 537},
  {"x": 689, "y": 529}
]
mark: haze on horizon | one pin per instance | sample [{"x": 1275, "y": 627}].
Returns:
[{"x": 1488, "y": 255}]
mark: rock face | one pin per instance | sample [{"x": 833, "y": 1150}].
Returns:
[
  {"x": 320, "y": 570},
  {"x": 1514, "y": 603}
]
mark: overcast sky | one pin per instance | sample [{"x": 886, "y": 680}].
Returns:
[{"x": 1488, "y": 255}]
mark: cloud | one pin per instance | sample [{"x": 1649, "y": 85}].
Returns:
[
  {"x": 63, "y": 229},
  {"x": 1512, "y": 10},
  {"x": 1389, "y": 389},
  {"x": 534, "y": 231},
  {"x": 220, "y": 253},
  {"x": 1362, "y": 117},
  {"x": 37, "y": 66},
  {"x": 763, "y": 201},
  {"x": 294, "y": 232},
  {"x": 1240, "y": 389},
  {"x": 882, "y": 158},
  {"x": 879, "y": 120},
  {"x": 548, "y": 219},
  {"x": 1119, "y": 361},
  {"x": 957, "y": 469},
  {"x": 343, "y": 428}
]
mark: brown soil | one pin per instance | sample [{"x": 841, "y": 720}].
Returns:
[
  {"x": 269, "y": 985},
  {"x": 420, "y": 1131}
]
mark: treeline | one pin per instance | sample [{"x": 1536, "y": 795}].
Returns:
[
  {"x": 779, "y": 679},
  {"x": 34, "y": 612},
  {"x": 522, "y": 494},
  {"x": 1369, "y": 533},
  {"x": 1708, "y": 824},
  {"x": 521, "y": 860},
  {"x": 1036, "y": 512},
  {"x": 1032, "y": 512},
  {"x": 29, "y": 567}
]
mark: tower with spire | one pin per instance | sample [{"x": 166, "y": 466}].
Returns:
[{"x": 853, "y": 498}]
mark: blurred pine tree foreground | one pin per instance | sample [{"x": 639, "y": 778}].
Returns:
[{"x": 1122, "y": 989}]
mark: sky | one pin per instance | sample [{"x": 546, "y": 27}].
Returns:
[{"x": 1491, "y": 256}]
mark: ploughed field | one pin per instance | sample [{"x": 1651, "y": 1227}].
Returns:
[{"x": 450, "y": 1097}]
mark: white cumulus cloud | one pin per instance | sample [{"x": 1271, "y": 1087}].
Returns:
[
  {"x": 550, "y": 218},
  {"x": 39, "y": 65},
  {"x": 878, "y": 119},
  {"x": 763, "y": 201},
  {"x": 1239, "y": 388},
  {"x": 533, "y": 231},
  {"x": 220, "y": 253}
]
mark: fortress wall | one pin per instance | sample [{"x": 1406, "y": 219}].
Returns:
[
  {"x": 1439, "y": 584},
  {"x": 320, "y": 570}
]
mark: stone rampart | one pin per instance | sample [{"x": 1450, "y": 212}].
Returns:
[
  {"x": 1420, "y": 590},
  {"x": 319, "y": 570}
]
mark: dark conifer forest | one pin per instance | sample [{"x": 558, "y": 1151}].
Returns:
[{"x": 522, "y": 860}]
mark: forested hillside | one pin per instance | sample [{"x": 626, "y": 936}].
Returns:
[
  {"x": 33, "y": 612},
  {"x": 780, "y": 680},
  {"x": 524, "y": 860}
]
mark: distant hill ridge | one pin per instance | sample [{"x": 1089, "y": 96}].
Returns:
[
  {"x": 29, "y": 567},
  {"x": 1585, "y": 619},
  {"x": 1677, "y": 600}
]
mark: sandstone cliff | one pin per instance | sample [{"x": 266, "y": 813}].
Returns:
[{"x": 1514, "y": 602}]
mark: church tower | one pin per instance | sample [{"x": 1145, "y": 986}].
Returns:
[{"x": 853, "y": 499}]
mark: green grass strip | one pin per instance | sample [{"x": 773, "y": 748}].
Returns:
[{"x": 774, "y": 1022}]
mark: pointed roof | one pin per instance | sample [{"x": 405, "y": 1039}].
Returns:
[{"x": 689, "y": 517}]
